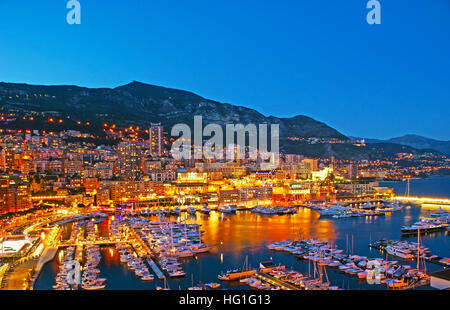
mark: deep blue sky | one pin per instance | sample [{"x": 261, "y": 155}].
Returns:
[{"x": 283, "y": 58}]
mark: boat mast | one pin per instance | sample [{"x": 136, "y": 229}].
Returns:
[
  {"x": 309, "y": 267},
  {"x": 418, "y": 248},
  {"x": 245, "y": 267},
  {"x": 352, "y": 243}
]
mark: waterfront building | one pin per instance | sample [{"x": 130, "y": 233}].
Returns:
[
  {"x": 255, "y": 193},
  {"x": 357, "y": 189},
  {"x": 229, "y": 196}
]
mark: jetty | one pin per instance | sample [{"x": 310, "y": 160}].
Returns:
[{"x": 155, "y": 269}]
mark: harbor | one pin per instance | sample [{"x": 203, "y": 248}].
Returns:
[{"x": 229, "y": 238}]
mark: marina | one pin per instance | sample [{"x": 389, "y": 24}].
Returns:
[{"x": 244, "y": 233}]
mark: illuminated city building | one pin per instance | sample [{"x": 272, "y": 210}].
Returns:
[
  {"x": 156, "y": 139},
  {"x": 192, "y": 177},
  {"x": 72, "y": 167},
  {"x": 15, "y": 193},
  {"x": 130, "y": 154}
]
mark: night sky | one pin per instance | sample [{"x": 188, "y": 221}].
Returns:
[{"x": 283, "y": 58}]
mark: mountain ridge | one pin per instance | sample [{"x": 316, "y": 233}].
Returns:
[
  {"x": 140, "y": 103},
  {"x": 416, "y": 141}
]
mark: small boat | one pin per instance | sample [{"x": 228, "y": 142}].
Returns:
[
  {"x": 205, "y": 209},
  {"x": 212, "y": 285},
  {"x": 94, "y": 287},
  {"x": 148, "y": 277},
  {"x": 178, "y": 273},
  {"x": 227, "y": 209},
  {"x": 263, "y": 286},
  {"x": 254, "y": 283}
]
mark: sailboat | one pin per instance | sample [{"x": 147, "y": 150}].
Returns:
[
  {"x": 238, "y": 273},
  {"x": 165, "y": 288},
  {"x": 194, "y": 288}
]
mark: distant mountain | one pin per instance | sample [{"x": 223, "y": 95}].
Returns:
[
  {"x": 419, "y": 142},
  {"x": 416, "y": 142}
]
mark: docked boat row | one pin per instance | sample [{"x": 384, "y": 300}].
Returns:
[
  {"x": 426, "y": 225},
  {"x": 275, "y": 277},
  {"x": 176, "y": 211},
  {"x": 403, "y": 249},
  {"x": 391, "y": 273},
  {"x": 316, "y": 281},
  {"x": 129, "y": 257},
  {"x": 90, "y": 278},
  {"x": 337, "y": 211},
  {"x": 227, "y": 209},
  {"x": 171, "y": 265},
  {"x": 442, "y": 215},
  {"x": 170, "y": 241},
  {"x": 62, "y": 277},
  {"x": 81, "y": 217},
  {"x": 157, "y": 212},
  {"x": 273, "y": 210},
  {"x": 409, "y": 251}
]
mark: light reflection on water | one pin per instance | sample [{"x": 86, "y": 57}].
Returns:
[{"x": 247, "y": 234}]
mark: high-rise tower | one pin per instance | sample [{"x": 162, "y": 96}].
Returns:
[{"x": 156, "y": 139}]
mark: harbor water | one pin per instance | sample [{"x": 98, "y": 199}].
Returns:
[{"x": 246, "y": 234}]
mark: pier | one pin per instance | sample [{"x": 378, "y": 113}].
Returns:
[
  {"x": 439, "y": 202},
  {"x": 156, "y": 270},
  {"x": 96, "y": 242}
]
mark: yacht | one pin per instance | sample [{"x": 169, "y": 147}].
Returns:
[
  {"x": 426, "y": 225},
  {"x": 227, "y": 209},
  {"x": 397, "y": 251},
  {"x": 205, "y": 209},
  {"x": 213, "y": 285}
]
